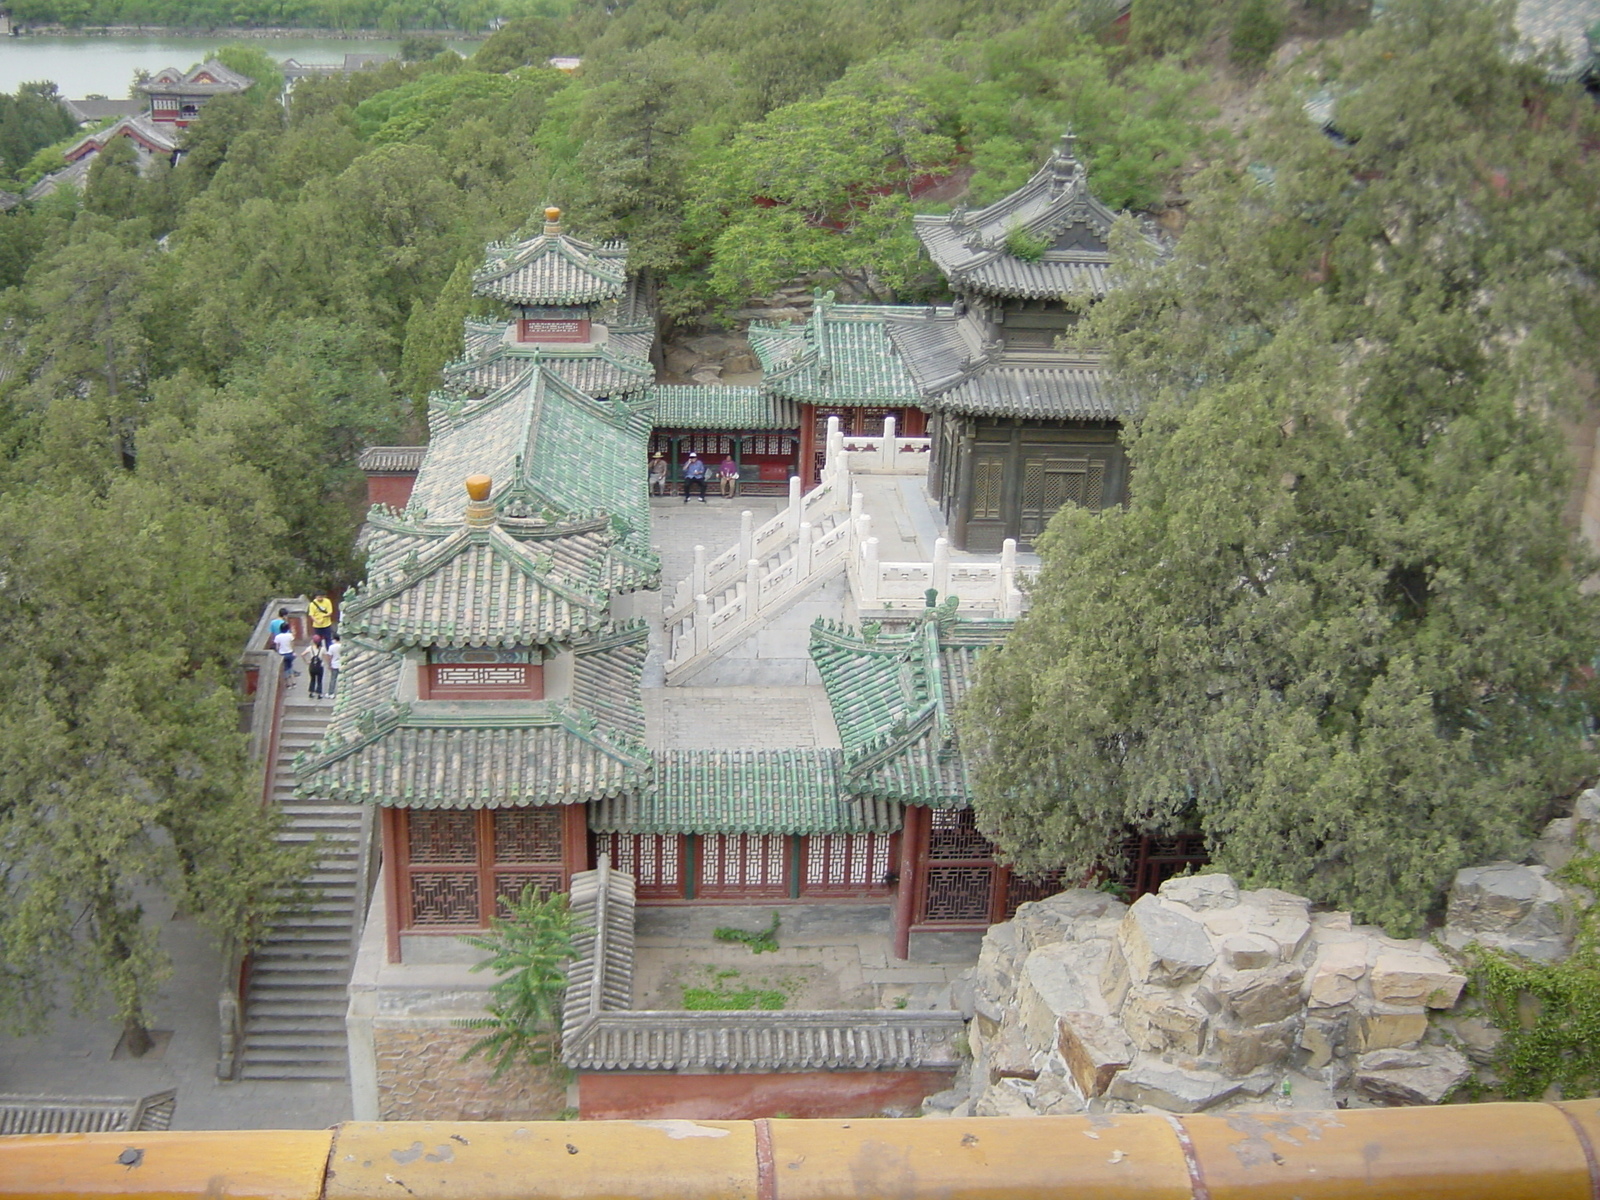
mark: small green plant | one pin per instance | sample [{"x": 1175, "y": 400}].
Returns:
[
  {"x": 1029, "y": 247},
  {"x": 529, "y": 949},
  {"x": 901, "y": 1001},
  {"x": 759, "y": 942}
]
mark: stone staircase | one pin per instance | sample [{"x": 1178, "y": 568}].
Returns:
[{"x": 295, "y": 1002}]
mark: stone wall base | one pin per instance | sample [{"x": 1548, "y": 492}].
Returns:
[
  {"x": 645, "y": 1095},
  {"x": 421, "y": 1078}
]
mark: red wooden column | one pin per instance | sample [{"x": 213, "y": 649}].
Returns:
[
  {"x": 574, "y": 841},
  {"x": 913, "y": 861},
  {"x": 808, "y": 447},
  {"x": 389, "y": 823}
]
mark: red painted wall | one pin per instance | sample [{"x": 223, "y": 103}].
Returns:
[
  {"x": 647, "y": 1095},
  {"x": 393, "y": 490}
]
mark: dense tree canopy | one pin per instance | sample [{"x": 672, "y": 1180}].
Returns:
[{"x": 1338, "y": 627}]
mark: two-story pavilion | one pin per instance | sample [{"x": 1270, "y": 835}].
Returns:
[{"x": 1020, "y": 427}]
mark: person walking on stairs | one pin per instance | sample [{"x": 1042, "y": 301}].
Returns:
[{"x": 314, "y": 656}]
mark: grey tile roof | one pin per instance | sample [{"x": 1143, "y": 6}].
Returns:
[
  {"x": 841, "y": 355},
  {"x": 553, "y": 269},
  {"x": 1054, "y": 205},
  {"x": 390, "y": 459},
  {"x": 432, "y": 754},
  {"x": 476, "y": 587},
  {"x": 1070, "y": 391},
  {"x": 957, "y": 374},
  {"x": 715, "y": 406},
  {"x": 87, "y": 1114},
  {"x": 893, "y": 700},
  {"x": 745, "y": 791},
  {"x": 766, "y": 1041},
  {"x": 187, "y": 83}
]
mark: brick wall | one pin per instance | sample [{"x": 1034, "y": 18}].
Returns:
[{"x": 421, "y": 1078}]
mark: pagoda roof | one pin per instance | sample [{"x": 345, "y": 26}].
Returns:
[
  {"x": 474, "y": 587},
  {"x": 957, "y": 371},
  {"x": 893, "y": 698},
  {"x": 715, "y": 406},
  {"x": 603, "y": 370},
  {"x": 210, "y": 78},
  {"x": 793, "y": 791},
  {"x": 606, "y": 673},
  {"x": 553, "y": 268},
  {"x": 148, "y": 137},
  {"x": 970, "y": 246},
  {"x": 840, "y": 355},
  {"x": 402, "y": 459},
  {"x": 476, "y": 754},
  {"x": 553, "y": 452}
]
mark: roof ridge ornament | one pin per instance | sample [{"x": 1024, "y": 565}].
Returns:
[
  {"x": 481, "y": 513},
  {"x": 552, "y": 222},
  {"x": 1064, "y": 173}
]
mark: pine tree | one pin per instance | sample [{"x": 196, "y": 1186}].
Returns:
[{"x": 1338, "y": 627}]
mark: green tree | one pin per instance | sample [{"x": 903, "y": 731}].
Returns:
[
  {"x": 1338, "y": 627},
  {"x": 1257, "y": 30},
  {"x": 530, "y": 950},
  {"x": 434, "y": 337}
]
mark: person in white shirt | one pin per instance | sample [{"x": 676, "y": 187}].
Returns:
[
  {"x": 283, "y": 643},
  {"x": 332, "y": 654}
]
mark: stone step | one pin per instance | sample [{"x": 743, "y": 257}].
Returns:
[
  {"x": 282, "y": 998},
  {"x": 290, "y": 1039},
  {"x": 298, "y": 1073}
]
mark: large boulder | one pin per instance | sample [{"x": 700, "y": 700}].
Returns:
[
  {"x": 1387, "y": 1029},
  {"x": 1336, "y": 972},
  {"x": 1511, "y": 907},
  {"x": 1076, "y": 915},
  {"x": 1162, "y": 946},
  {"x": 1094, "y": 1048},
  {"x": 1163, "y": 1021},
  {"x": 1151, "y": 1081},
  {"x": 1201, "y": 892},
  {"x": 1423, "y": 1076},
  {"x": 1058, "y": 979},
  {"x": 1420, "y": 976},
  {"x": 1256, "y": 997},
  {"x": 1242, "y": 1052}
]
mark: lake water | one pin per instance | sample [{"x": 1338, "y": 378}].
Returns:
[{"x": 84, "y": 66}]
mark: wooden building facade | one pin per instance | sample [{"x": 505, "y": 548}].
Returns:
[{"x": 1020, "y": 427}]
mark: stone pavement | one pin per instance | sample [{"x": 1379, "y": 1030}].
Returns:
[
  {"x": 828, "y": 956},
  {"x": 73, "y": 1056}
]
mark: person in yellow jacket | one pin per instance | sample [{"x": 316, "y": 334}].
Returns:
[{"x": 321, "y": 610}]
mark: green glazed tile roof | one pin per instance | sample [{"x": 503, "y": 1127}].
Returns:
[
  {"x": 893, "y": 699},
  {"x": 552, "y": 269},
  {"x": 605, "y": 677},
  {"x": 609, "y": 369},
  {"x": 842, "y": 355},
  {"x": 477, "y": 587},
  {"x": 745, "y": 791},
  {"x": 471, "y": 755},
  {"x": 713, "y": 406},
  {"x": 548, "y": 447}
]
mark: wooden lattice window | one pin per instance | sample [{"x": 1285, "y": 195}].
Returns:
[
  {"x": 456, "y": 863},
  {"x": 988, "y": 475},
  {"x": 655, "y": 860},
  {"x": 743, "y": 865},
  {"x": 958, "y": 895},
  {"x": 852, "y": 864},
  {"x": 953, "y": 834},
  {"x": 1020, "y": 891},
  {"x": 959, "y": 886}
]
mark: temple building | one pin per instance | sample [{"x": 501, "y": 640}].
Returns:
[
  {"x": 838, "y": 363},
  {"x": 1019, "y": 427},
  {"x": 176, "y": 97}
]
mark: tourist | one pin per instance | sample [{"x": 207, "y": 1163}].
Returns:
[
  {"x": 694, "y": 476},
  {"x": 283, "y": 643},
  {"x": 658, "y": 475},
  {"x": 314, "y": 662},
  {"x": 728, "y": 476},
  {"x": 335, "y": 652},
  {"x": 322, "y": 617},
  {"x": 279, "y": 623}
]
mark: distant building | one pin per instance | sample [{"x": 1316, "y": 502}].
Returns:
[
  {"x": 294, "y": 70},
  {"x": 176, "y": 97},
  {"x": 97, "y": 108}
]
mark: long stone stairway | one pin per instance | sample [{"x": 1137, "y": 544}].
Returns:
[{"x": 295, "y": 1002}]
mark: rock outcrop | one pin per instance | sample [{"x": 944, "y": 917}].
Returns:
[{"x": 1204, "y": 996}]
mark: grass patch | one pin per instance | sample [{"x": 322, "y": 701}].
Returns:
[
  {"x": 759, "y": 942},
  {"x": 724, "y": 994}
]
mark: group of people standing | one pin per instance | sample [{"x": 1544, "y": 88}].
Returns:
[
  {"x": 695, "y": 474},
  {"x": 321, "y": 655}
]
